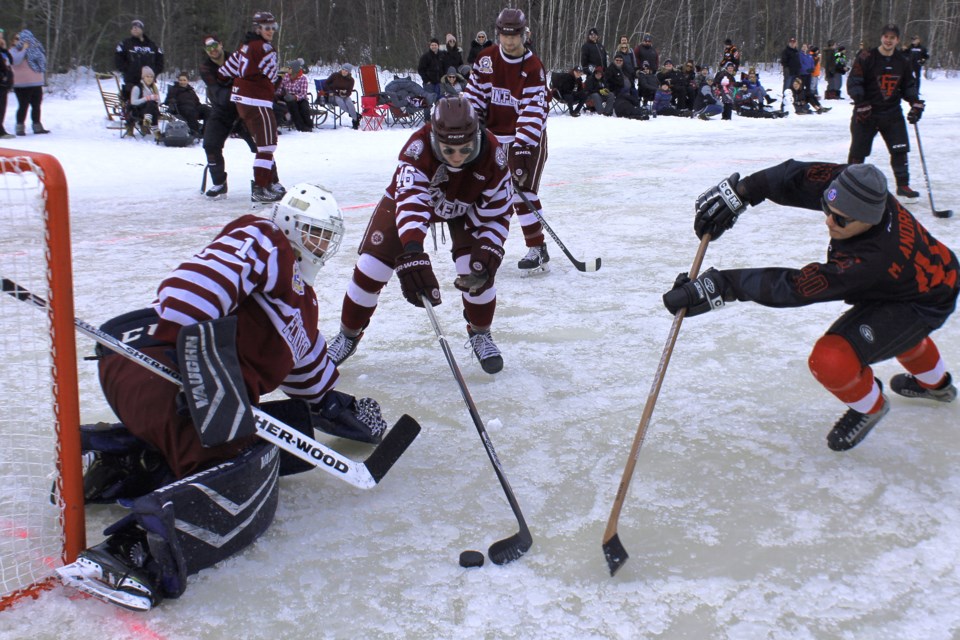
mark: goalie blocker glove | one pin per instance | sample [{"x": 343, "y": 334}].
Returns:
[
  {"x": 706, "y": 293},
  {"x": 718, "y": 208}
]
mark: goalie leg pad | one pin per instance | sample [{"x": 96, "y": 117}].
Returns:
[
  {"x": 207, "y": 517},
  {"x": 213, "y": 382}
]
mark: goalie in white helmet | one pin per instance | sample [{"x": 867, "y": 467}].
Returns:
[
  {"x": 313, "y": 223},
  {"x": 251, "y": 291}
]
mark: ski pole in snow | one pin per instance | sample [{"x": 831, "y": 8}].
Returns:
[
  {"x": 589, "y": 265},
  {"x": 613, "y": 549},
  {"x": 946, "y": 213},
  {"x": 511, "y": 548}
]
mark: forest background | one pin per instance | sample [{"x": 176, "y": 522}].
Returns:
[{"x": 394, "y": 33}]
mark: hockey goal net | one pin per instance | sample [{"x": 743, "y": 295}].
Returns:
[{"x": 41, "y": 492}]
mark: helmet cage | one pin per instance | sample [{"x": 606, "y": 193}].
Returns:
[{"x": 309, "y": 217}]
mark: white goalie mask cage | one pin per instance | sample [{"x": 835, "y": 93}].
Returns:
[{"x": 312, "y": 221}]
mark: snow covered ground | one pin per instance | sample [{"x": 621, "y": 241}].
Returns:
[{"x": 740, "y": 523}]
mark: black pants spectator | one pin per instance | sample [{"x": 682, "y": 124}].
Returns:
[
  {"x": 192, "y": 115},
  {"x": 29, "y": 97},
  {"x": 3, "y": 107},
  {"x": 220, "y": 125}
]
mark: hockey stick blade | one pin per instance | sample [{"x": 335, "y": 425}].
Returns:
[
  {"x": 615, "y": 554},
  {"x": 588, "y": 266},
  {"x": 512, "y": 548},
  {"x": 403, "y": 433},
  {"x": 358, "y": 474},
  {"x": 945, "y": 213}
]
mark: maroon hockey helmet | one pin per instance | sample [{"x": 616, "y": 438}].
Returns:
[
  {"x": 455, "y": 122},
  {"x": 263, "y": 17},
  {"x": 511, "y": 22}
]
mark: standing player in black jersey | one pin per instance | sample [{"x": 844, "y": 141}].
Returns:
[
  {"x": 880, "y": 78},
  {"x": 901, "y": 282}
]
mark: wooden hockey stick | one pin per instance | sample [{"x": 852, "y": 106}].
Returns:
[
  {"x": 589, "y": 265},
  {"x": 363, "y": 475},
  {"x": 613, "y": 549},
  {"x": 512, "y": 547}
]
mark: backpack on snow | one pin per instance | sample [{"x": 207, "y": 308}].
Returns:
[{"x": 177, "y": 134}]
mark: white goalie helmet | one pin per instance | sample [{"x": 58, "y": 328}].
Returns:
[{"x": 312, "y": 221}]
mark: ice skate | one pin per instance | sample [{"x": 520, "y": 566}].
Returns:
[
  {"x": 342, "y": 347},
  {"x": 908, "y": 386},
  {"x": 854, "y": 426},
  {"x": 907, "y": 195},
  {"x": 535, "y": 261},
  {"x": 486, "y": 350},
  {"x": 113, "y": 572}
]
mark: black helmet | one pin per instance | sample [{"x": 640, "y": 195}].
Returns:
[
  {"x": 511, "y": 22},
  {"x": 455, "y": 122},
  {"x": 263, "y": 17}
]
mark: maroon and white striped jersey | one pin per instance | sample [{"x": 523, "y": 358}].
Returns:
[
  {"x": 250, "y": 271},
  {"x": 426, "y": 190},
  {"x": 510, "y": 94},
  {"x": 254, "y": 68}
]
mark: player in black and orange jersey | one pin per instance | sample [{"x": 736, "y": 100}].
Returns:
[
  {"x": 880, "y": 78},
  {"x": 901, "y": 282}
]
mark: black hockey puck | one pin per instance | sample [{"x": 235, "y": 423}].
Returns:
[{"x": 471, "y": 559}]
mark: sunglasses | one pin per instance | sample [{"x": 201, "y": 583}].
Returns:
[
  {"x": 212, "y": 47},
  {"x": 270, "y": 27},
  {"x": 839, "y": 220},
  {"x": 463, "y": 151}
]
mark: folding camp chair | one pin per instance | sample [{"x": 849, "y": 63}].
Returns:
[
  {"x": 112, "y": 100},
  {"x": 557, "y": 105},
  {"x": 373, "y": 115}
]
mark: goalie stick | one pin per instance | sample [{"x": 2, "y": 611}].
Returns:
[
  {"x": 613, "y": 549},
  {"x": 946, "y": 213},
  {"x": 511, "y": 548},
  {"x": 589, "y": 265},
  {"x": 363, "y": 475}
]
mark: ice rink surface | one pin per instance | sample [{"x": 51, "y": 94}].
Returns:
[{"x": 740, "y": 523}]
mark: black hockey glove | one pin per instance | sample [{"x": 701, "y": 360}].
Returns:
[
  {"x": 862, "y": 113},
  {"x": 416, "y": 277},
  {"x": 706, "y": 293},
  {"x": 718, "y": 208},
  {"x": 916, "y": 110},
  {"x": 485, "y": 259},
  {"x": 345, "y": 416}
]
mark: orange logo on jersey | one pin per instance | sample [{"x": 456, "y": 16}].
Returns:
[{"x": 888, "y": 84}]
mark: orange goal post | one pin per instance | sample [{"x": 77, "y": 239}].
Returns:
[{"x": 41, "y": 485}]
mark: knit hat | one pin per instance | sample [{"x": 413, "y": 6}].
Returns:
[
  {"x": 346, "y": 66},
  {"x": 147, "y": 70},
  {"x": 136, "y": 23},
  {"x": 481, "y": 33},
  {"x": 618, "y": 56},
  {"x": 451, "y": 71},
  {"x": 295, "y": 66},
  {"x": 860, "y": 192},
  {"x": 647, "y": 37}
]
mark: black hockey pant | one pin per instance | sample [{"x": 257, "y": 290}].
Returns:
[{"x": 893, "y": 129}]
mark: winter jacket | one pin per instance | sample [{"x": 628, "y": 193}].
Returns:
[
  {"x": 451, "y": 57},
  {"x": 6, "y": 70},
  {"x": 178, "y": 97},
  {"x": 29, "y": 63},
  {"x": 475, "y": 49},
  {"x": 646, "y": 53},
  {"x": 431, "y": 67},
  {"x": 662, "y": 100},
  {"x": 790, "y": 60},
  {"x": 806, "y": 63},
  {"x": 132, "y": 54},
  {"x": 340, "y": 85},
  {"x": 592, "y": 55}
]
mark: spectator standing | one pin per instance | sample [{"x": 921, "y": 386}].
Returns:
[
  {"x": 646, "y": 53},
  {"x": 431, "y": 69},
  {"x": 918, "y": 57},
  {"x": 452, "y": 54},
  {"x": 730, "y": 54},
  {"x": 481, "y": 42},
  {"x": 815, "y": 74},
  {"x": 223, "y": 120},
  {"x": 133, "y": 54},
  {"x": 29, "y": 76},
  {"x": 630, "y": 66},
  {"x": 829, "y": 64},
  {"x": 725, "y": 83},
  {"x": 340, "y": 91},
  {"x": 294, "y": 91},
  {"x": 790, "y": 63},
  {"x": 880, "y": 78},
  {"x": 183, "y": 100},
  {"x": 508, "y": 88},
  {"x": 6, "y": 82},
  {"x": 592, "y": 53},
  {"x": 254, "y": 68}
]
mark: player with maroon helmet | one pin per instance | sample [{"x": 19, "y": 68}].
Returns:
[
  {"x": 508, "y": 88},
  {"x": 452, "y": 171}
]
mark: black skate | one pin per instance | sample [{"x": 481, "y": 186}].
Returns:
[
  {"x": 342, "y": 347},
  {"x": 907, "y": 195},
  {"x": 263, "y": 195},
  {"x": 535, "y": 261},
  {"x": 114, "y": 572},
  {"x": 907, "y": 386},
  {"x": 854, "y": 426},
  {"x": 217, "y": 192},
  {"x": 486, "y": 350}
]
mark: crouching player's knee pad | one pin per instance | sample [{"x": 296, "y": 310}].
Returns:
[{"x": 204, "y": 518}]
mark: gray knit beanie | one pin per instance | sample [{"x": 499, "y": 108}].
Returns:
[{"x": 859, "y": 192}]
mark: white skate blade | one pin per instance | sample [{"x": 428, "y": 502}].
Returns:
[
  {"x": 84, "y": 576},
  {"x": 526, "y": 273}
]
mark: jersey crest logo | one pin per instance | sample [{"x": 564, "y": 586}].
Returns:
[
  {"x": 297, "y": 279},
  {"x": 376, "y": 238},
  {"x": 888, "y": 84},
  {"x": 501, "y": 157},
  {"x": 415, "y": 150},
  {"x": 441, "y": 176},
  {"x": 485, "y": 64}
]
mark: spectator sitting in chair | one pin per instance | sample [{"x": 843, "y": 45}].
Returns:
[
  {"x": 145, "y": 104},
  {"x": 293, "y": 90},
  {"x": 339, "y": 92},
  {"x": 569, "y": 86},
  {"x": 404, "y": 93},
  {"x": 452, "y": 84},
  {"x": 598, "y": 93},
  {"x": 183, "y": 101},
  {"x": 647, "y": 83}
]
